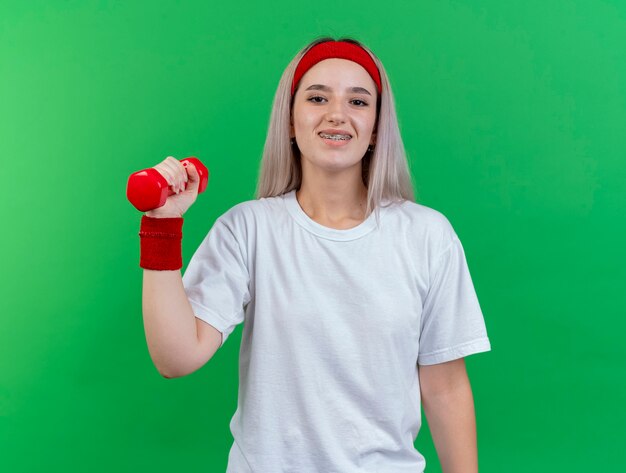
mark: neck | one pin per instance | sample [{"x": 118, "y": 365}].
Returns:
[{"x": 333, "y": 203}]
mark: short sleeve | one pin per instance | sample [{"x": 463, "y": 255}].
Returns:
[
  {"x": 452, "y": 324},
  {"x": 217, "y": 280}
]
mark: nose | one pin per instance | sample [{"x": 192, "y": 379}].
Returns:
[{"x": 335, "y": 111}]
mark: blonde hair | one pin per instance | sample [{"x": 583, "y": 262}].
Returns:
[{"x": 385, "y": 170}]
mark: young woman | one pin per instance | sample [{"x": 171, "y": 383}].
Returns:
[{"x": 358, "y": 303}]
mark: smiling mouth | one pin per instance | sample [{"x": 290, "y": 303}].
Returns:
[{"x": 335, "y": 137}]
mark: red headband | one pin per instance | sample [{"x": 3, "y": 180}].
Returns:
[{"x": 336, "y": 49}]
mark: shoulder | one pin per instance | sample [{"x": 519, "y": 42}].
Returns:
[
  {"x": 423, "y": 216},
  {"x": 247, "y": 214},
  {"x": 424, "y": 224}
]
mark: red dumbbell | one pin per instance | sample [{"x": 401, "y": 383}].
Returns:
[{"x": 148, "y": 189}]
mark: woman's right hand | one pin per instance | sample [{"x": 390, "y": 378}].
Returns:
[{"x": 176, "y": 174}]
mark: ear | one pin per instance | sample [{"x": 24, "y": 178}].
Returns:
[{"x": 373, "y": 138}]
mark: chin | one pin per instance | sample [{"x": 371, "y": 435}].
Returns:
[{"x": 337, "y": 163}]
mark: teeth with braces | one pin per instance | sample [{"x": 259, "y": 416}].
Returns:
[{"x": 335, "y": 137}]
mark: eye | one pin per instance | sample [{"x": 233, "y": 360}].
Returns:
[{"x": 359, "y": 100}]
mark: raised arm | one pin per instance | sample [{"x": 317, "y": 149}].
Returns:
[{"x": 178, "y": 342}]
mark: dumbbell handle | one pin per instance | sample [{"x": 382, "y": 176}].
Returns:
[{"x": 148, "y": 189}]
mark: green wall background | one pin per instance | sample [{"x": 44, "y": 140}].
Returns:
[{"x": 513, "y": 115}]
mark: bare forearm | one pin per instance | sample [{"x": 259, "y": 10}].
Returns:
[
  {"x": 452, "y": 423},
  {"x": 169, "y": 322}
]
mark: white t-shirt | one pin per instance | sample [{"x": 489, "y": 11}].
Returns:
[{"x": 335, "y": 323}]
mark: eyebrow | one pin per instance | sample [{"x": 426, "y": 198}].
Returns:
[{"x": 325, "y": 88}]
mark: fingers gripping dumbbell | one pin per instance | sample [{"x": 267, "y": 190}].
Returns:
[{"x": 148, "y": 189}]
